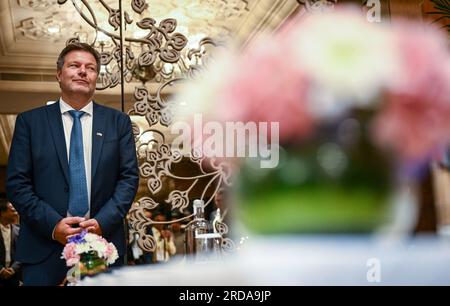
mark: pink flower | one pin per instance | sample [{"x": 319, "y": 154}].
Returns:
[
  {"x": 267, "y": 87},
  {"x": 70, "y": 254},
  {"x": 73, "y": 261},
  {"x": 412, "y": 126},
  {"x": 424, "y": 62},
  {"x": 109, "y": 250},
  {"x": 414, "y": 120},
  {"x": 69, "y": 250},
  {"x": 317, "y": 68}
]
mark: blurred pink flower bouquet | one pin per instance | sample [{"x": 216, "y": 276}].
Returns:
[
  {"x": 340, "y": 89},
  {"x": 92, "y": 253},
  {"x": 324, "y": 65}
]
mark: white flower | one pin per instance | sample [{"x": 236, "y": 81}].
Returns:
[
  {"x": 82, "y": 248},
  {"x": 100, "y": 247},
  {"x": 348, "y": 58},
  {"x": 89, "y": 237}
]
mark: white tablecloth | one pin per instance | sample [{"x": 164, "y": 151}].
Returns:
[{"x": 300, "y": 260}]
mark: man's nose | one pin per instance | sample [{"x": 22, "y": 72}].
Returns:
[{"x": 82, "y": 70}]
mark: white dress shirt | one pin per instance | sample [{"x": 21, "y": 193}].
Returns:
[
  {"x": 86, "y": 126},
  {"x": 6, "y": 233}
]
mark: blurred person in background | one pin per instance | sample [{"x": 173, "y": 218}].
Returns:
[
  {"x": 219, "y": 214},
  {"x": 136, "y": 255},
  {"x": 177, "y": 229},
  {"x": 9, "y": 267},
  {"x": 165, "y": 245}
]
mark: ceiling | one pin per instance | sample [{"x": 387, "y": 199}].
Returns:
[{"x": 32, "y": 32}]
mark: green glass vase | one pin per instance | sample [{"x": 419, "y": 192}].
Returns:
[
  {"x": 91, "y": 264},
  {"x": 325, "y": 185}
]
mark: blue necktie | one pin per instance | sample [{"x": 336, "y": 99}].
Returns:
[{"x": 78, "y": 196}]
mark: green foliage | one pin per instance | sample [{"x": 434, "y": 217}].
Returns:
[{"x": 441, "y": 8}]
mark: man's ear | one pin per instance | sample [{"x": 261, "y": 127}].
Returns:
[{"x": 58, "y": 75}]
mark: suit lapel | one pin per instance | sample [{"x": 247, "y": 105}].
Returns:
[
  {"x": 98, "y": 132},
  {"x": 57, "y": 131},
  {"x": 2, "y": 243},
  {"x": 14, "y": 234},
  {"x": 2, "y": 250}
]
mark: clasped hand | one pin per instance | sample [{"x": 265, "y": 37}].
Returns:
[
  {"x": 65, "y": 228},
  {"x": 6, "y": 273}
]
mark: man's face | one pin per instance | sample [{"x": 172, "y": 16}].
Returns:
[
  {"x": 160, "y": 218},
  {"x": 78, "y": 74},
  {"x": 10, "y": 215}
]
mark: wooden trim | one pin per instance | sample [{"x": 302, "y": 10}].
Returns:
[{"x": 406, "y": 8}]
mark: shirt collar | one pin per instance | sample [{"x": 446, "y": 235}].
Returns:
[
  {"x": 5, "y": 228},
  {"x": 88, "y": 109}
]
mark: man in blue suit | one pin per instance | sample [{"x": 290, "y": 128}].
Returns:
[{"x": 72, "y": 166}]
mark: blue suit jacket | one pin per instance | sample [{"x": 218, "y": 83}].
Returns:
[{"x": 38, "y": 177}]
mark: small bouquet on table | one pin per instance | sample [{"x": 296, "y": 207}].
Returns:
[{"x": 87, "y": 254}]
